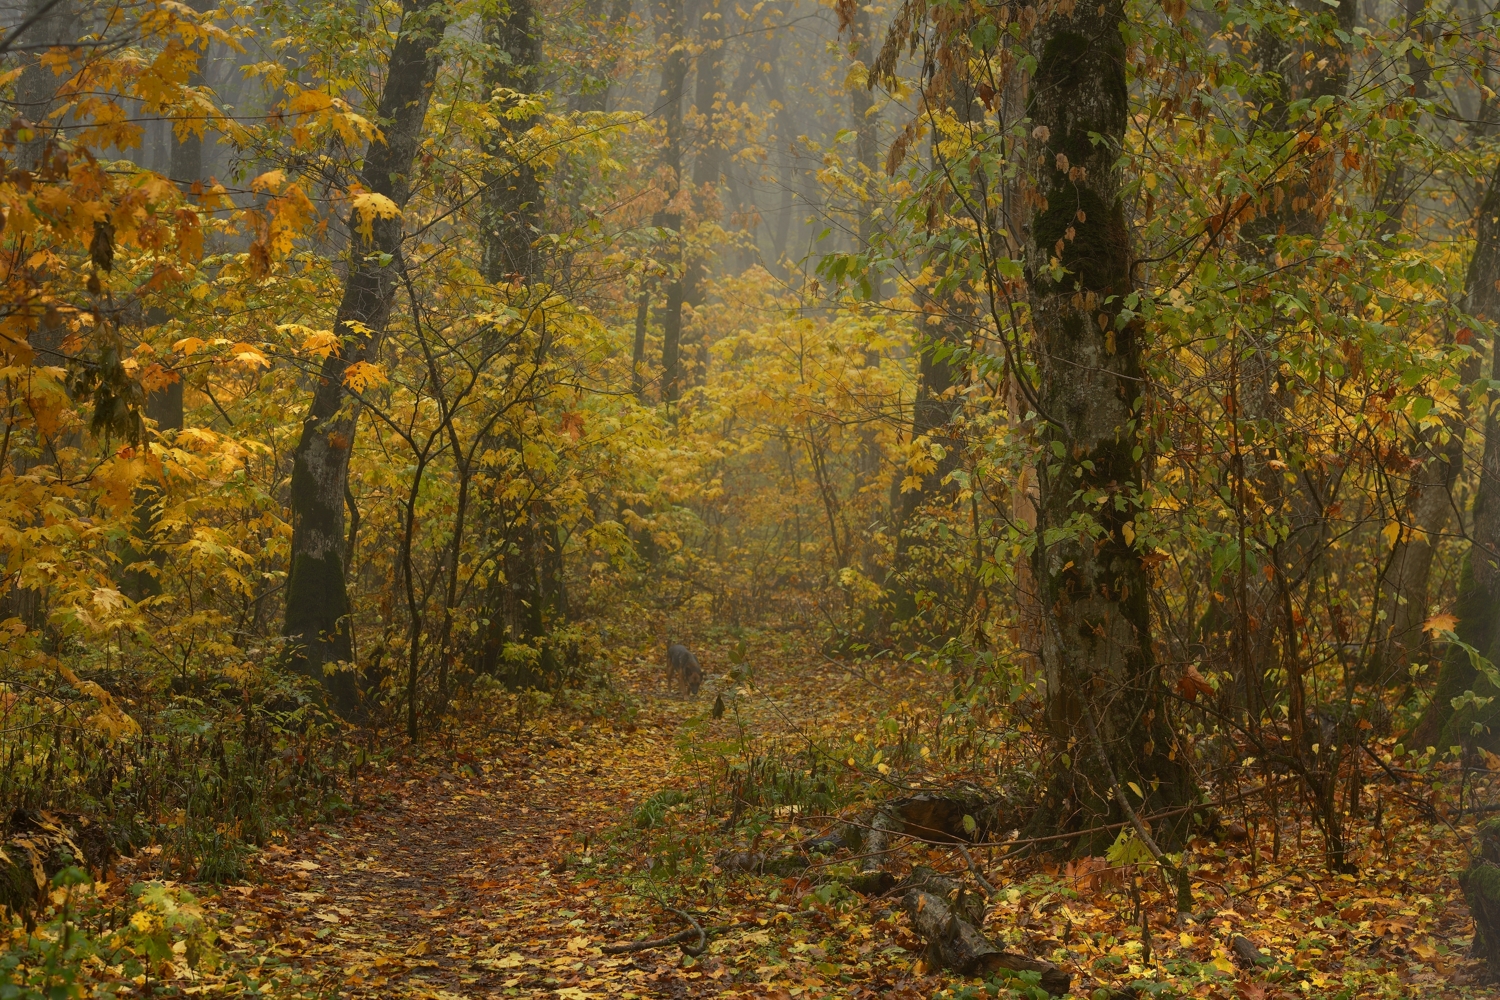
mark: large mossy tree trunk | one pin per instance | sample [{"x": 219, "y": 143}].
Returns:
[
  {"x": 1105, "y": 699},
  {"x": 1480, "y": 883},
  {"x": 317, "y": 601},
  {"x": 1478, "y": 605}
]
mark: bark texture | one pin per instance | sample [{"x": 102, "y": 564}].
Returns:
[
  {"x": 1427, "y": 510},
  {"x": 596, "y": 96},
  {"x": 1102, "y": 678},
  {"x": 317, "y": 603},
  {"x": 1480, "y": 883}
]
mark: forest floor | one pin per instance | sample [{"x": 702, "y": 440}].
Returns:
[{"x": 500, "y": 861}]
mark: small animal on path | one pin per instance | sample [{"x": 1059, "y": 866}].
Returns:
[{"x": 683, "y": 671}]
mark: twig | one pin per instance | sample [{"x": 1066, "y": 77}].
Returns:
[
  {"x": 1135, "y": 820},
  {"x": 680, "y": 938},
  {"x": 984, "y": 883},
  {"x": 1426, "y": 808}
]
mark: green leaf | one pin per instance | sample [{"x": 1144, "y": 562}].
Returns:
[{"x": 1128, "y": 850}]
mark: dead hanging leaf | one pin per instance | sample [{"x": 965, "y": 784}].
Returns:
[
  {"x": 102, "y": 246},
  {"x": 719, "y": 706},
  {"x": 1192, "y": 683},
  {"x": 260, "y": 259},
  {"x": 846, "y": 10}
]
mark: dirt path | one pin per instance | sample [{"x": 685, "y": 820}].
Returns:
[{"x": 451, "y": 881}]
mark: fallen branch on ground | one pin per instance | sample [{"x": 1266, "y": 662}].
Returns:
[
  {"x": 955, "y": 943},
  {"x": 680, "y": 938}
]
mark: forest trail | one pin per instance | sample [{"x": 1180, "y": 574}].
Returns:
[{"x": 452, "y": 881}]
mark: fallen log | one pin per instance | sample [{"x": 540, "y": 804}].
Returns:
[
  {"x": 876, "y": 883},
  {"x": 1245, "y": 950},
  {"x": 757, "y": 863},
  {"x": 966, "y": 905},
  {"x": 956, "y": 944},
  {"x": 959, "y": 815}
]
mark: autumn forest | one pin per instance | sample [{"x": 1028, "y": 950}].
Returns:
[{"x": 680, "y": 498}]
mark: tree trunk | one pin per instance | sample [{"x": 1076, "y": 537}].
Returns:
[
  {"x": 512, "y": 197},
  {"x": 1478, "y": 605},
  {"x": 164, "y": 406},
  {"x": 1104, "y": 688},
  {"x": 1429, "y": 500},
  {"x": 866, "y": 140},
  {"x": 532, "y": 574},
  {"x": 948, "y": 317},
  {"x": 1298, "y": 207},
  {"x": 35, "y": 98},
  {"x": 36, "y": 88},
  {"x": 707, "y": 161},
  {"x": 673, "y": 80},
  {"x": 317, "y": 603},
  {"x": 596, "y": 98},
  {"x": 1427, "y": 509},
  {"x": 638, "y": 349},
  {"x": 1394, "y": 191}
]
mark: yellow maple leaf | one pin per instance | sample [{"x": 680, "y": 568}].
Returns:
[
  {"x": 320, "y": 342},
  {"x": 271, "y": 181},
  {"x": 308, "y": 102},
  {"x": 363, "y": 374},
  {"x": 368, "y": 207},
  {"x": 249, "y": 356},
  {"x": 1439, "y": 623}
]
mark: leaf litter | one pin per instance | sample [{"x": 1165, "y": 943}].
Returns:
[{"x": 503, "y": 862}]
